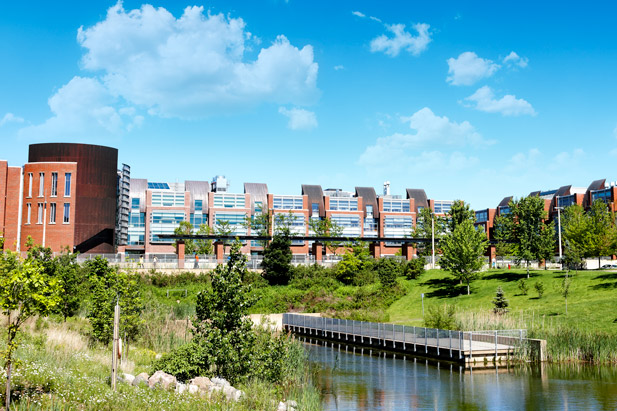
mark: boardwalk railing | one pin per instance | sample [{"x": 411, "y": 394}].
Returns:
[{"x": 432, "y": 341}]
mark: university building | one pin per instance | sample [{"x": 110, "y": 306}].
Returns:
[{"x": 76, "y": 196}]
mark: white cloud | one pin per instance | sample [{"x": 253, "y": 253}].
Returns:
[
  {"x": 516, "y": 60},
  {"x": 430, "y": 130},
  {"x": 10, "y": 118},
  {"x": 468, "y": 68},
  {"x": 299, "y": 119},
  {"x": 339, "y": 67},
  {"x": 83, "y": 107},
  {"x": 358, "y": 14},
  {"x": 402, "y": 40},
  {"x": 194, "y": 65},
  {"x": 508, "y": 105},
  {"x": 375, "y": 19}
]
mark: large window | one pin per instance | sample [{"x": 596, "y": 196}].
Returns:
[
  {"x": 164, "y": 222},
  {"x": 198, "y": 219},
  {"x": 344, "y": 204},
  {"x": 504, "y": 210},
  {"x": 67, "y": 213},
  {"x": 396, "y": 206},
  {"x": 52, "y": 213},
  {"x": 604, "y": 195},
  {"x": 397, "y": 226},
  {"x": 370, "y": 227},
  {"x": 297, "y": 226},
  {"x": 236, "y": 222},
  {"x": 287, "y": 202},
  {"x": 199, "y": 205},
  {"x": 28, "y": 212},
  {"x": 442, "y": 206},
  {"x": 136, "y": 230},
  {"x": 30, "y": 184},
  {"x": 67, "y": 184},
  {"x": 54, "y": 184},
  {"x": 41, "y": 184},
  {"x": 315, "y": 208},
  {"x": 350, "y": 224},
  {"x": 229, "y": 200},
  {"x": 566, "y": 201},
  {"x": 168, "y": 198},
  {"x": 135, "y": 203},
  {"x": 481, "y": 216},
  {"x": 39, "y": 219}
]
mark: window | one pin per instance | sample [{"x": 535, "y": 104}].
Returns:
[
  {"x": 397, "y": 226},
  {"x": 370, "y": 227},
  {"x": 566, "y": 201},
  {"x": 67, "y": 184},
  {"x": 287, "y": 203},
  {"x": 135, "y": 203},
  {"x": 229, "y": 200},
  {"x": 396, "y": 206},
  {"x": 39, "y": 219},
  {"x": 350, "y": 224},
  {"x": 258, "y": 207},
  {"x": 443, "y": 207},
  {"x": 52, "y": 213},
  {"x": 164, "y": 222},
  {"x": 604, "y": 195},
  {"x": 198, "y": 219},
  {"x": 199, "y": 205},
  {"x": 315, "y": 208},
  {"x": 29, "y": 184},
  {"x": 481, "y": 216},
  {"x": 54, "y": 184},
  {"x": 41, "y": 184},
  {"x": 168, "y": 198},
  {"x": 28, "y": 213},
  {"x": 369, "y": 211},
  {"x": 344, "y": 204},
  {"x": 67, "y": 213}
]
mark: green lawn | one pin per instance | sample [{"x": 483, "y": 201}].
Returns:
[{"x": 592, "y": 301}]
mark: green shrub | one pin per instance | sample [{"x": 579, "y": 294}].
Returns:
[
  {"x": 522, "y": 286},
  {"x": 387, "y": 271},
  {"x": 413, "y": 269},
  {"x": 442, "y": 317},
  {"x": 539, "y": 286}
]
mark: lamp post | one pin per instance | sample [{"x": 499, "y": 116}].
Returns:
[
  {"x": 433, "y": 238},
  {"x": 559, "y": 231}
]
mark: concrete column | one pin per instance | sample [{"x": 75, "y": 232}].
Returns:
[
  {"x": 180, "y": 251},
  {"x": 318, "y": 251},
  {"x": 219, "y": 250}
]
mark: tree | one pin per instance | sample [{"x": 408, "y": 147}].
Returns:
[
  {"x": 539, "y": 286},
  {"x": 69, "y": 274},
  {"x": 354, "y": 261},
  {"x": 222, "y": 330},
  {"x": 185, "y": 228},
  {"x": 603, "y": 231},
  {"x": 326, "y": 227},
  {"x": 522, "y": 285},
  {"x": 500, "y": 302},
  {"x": 424, "y": 229},
  {"x": 277, "y": 259},
  {"x": 25, "y": 290},
  {"x": 527, "y": 220},
  {"x": 547, "y": 243},
  {"x": 260, "y": 224},
  {"x": 387, "y": 271},
  {"x": 204, "y": 246},
  {"x": 565, "y": 290},
  {"x": 502, "y": 232},
  {"x": 576, "y": 236},
  {"x": 413, "y": 269},
  {"x": 459, "y": 213},
  {"x": 463, "y": 250}
]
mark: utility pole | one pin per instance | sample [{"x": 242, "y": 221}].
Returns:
[
  {"x": 433, "y": 238},
  {"x": 115, "y": 346}
]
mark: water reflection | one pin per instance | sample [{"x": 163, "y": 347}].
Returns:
[{"x": 354, "y": 381}]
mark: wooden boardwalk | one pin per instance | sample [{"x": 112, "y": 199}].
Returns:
[{"x": 473, "y": 349}]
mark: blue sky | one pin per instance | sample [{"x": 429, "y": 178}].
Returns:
[{"x": 470, "y": 100}]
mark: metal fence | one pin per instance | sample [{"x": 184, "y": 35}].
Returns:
[{"x": 457, "y": 344}]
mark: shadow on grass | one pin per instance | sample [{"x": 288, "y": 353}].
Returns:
[
  {"x": 604, "y": 286},
  {"x": 508, "y": 276},
  {"x": 444, "y": 288},
  {"x": 609, "y": 276}
]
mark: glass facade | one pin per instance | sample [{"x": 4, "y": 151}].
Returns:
[
  {"x": 198, "y": 219},
  {"x": 168, "y": 198},
  {"x": 604, "y": 195},
  {"x": 566, "y": 201},
  {"x": 503, "y": 210},
  {"x": 158, "y": 186},
  {"x": 443, "y": 206},
  {"x": 287, "y": 202},
  {"x": 199, "y": 205},
  {"x": 229, "y": 200},
  {"x": 397, "y": 226},
  {"x": 164, "y": 222},
  {"x": 296, "y": 227},
  {"x": 481, "y": 216},
  {"x": 344, "y": 204},
  {"x": 137, "y": 227},
  {"x": 396, "y": 206},
  {"x": 371, "y": 227},
  {"x": 236, "y": 221},
  {"x": 350, "y": 224}
]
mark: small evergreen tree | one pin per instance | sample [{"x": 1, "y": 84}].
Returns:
[
  {"x": 277, "y": 259},
  {"x": 539, "y": 286},
  {"x": 500, "y": 302},
  {"x": 387, "y": 271},
  {"x": 414, "y": 269}
]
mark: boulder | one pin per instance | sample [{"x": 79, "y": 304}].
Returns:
[
  {"x": 202, "y": 383},
  {"x": 193, "y": 389},
  {"x": 126, "y": 378},
  {"x": 141, "y": 379},
  {"x": 163, "y": 380},
  {"x": 230, "y": 392},
  {"x": 180, "y": 388},
  {"x": 221, "y": 382}
]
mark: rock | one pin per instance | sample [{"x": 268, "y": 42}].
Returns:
[
  {"x": 282, "y": 406},
  {"x": 158, "y": 356},
  {"x": 126, "y": 378},
  {"x": 230, "y": 392},
  {"x": 220, "y": 381},
  {"x": 180, "y": 388},
  {"x": 203, "y": 383},
  {"x": 162, "y": 379},
  {"x": 237, "y": 395},
  {"x": 292, "y": 404},
  {"x": 141, "y": 379},
  {"x": 193, "y": 389}
]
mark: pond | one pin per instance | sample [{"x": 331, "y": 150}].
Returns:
[{"x": 355, "y": 381}]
